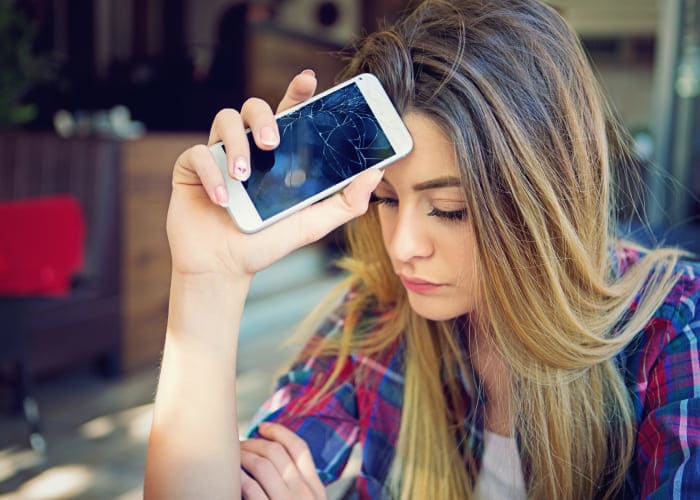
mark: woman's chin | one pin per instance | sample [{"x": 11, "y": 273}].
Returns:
[{"x": 434, "y": 308}]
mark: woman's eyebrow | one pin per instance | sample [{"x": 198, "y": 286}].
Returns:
[{"x": 440, "y": 182}]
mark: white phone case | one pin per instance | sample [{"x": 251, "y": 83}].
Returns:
[{"x": 242, "y": 209}]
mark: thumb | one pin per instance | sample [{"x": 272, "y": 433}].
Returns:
[
  {"x": 314, "y": 222},
  {"x": 354, "y": 199}
]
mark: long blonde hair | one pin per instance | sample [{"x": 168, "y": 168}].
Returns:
[{"x": 537, "y": 147}]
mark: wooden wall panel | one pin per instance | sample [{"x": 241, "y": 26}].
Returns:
[
  {"x": 276, "y": 57},
  {"x": 603, "y": 18},
  {"x": 147, "y": 169}
]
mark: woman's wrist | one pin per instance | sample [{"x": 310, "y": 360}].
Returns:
[
  {"x": 207, "y": 283},
  {"x": 206, "y": 310}
]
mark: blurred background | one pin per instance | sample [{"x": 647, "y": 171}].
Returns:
[{"x": 97, "y": 100}]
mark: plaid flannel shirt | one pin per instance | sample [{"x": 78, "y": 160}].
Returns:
[{"x": 661, "y": 367}]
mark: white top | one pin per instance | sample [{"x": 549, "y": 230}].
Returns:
[{"x": 501, "y": 473}]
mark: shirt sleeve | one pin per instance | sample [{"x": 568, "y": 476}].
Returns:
[
  {"x": 329, "y": 424},
  {"x": 668, "y": 443}
]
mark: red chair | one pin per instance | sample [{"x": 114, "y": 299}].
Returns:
[{"x": 41, "y": 247}]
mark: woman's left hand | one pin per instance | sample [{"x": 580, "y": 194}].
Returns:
[{"x": 281, "y": 466}]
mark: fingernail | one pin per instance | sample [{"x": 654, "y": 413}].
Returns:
[
  {"x": 309, "y": 72},
  {"x": 268, "y": 136},
  {"x": 221, "y": 196},
  {"x": 378, "y": 174},
  {"x": 240, "y": 169}
]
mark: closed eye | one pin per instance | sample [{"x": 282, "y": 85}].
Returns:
[
  {"x": 450, "y": 215},
  {"x": 383, "y": 200}
]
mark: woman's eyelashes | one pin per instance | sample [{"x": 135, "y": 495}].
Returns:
[
  {"x": 383, "y": 200},
  {"x": 451, "y": 215},
  {"x": 448, "y": 215}
]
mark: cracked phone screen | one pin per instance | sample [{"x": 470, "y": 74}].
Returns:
[{"x": 321, "y": 144}]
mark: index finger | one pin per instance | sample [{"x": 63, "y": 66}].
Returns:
[
  {"x": 229, "y": 128},
  {"x": 300, "y": 89},
  {"x": 299, "y": 452}
]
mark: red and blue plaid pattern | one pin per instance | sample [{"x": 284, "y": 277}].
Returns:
[{"x": 662, "y": 369}]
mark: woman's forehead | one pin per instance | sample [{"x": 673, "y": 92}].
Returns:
[{"x": 433, "y": 154}]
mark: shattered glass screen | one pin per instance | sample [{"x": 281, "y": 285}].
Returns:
[{"x": 321, "y": 144}]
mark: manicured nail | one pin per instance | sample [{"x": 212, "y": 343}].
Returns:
[
  {"x": 221, "y": 196},
  {"x": 376, "y": 174},
  {"x": 309, "y": 72},
  {"x": 268, "y": 136},
  {"x": 240, "y": 169}
]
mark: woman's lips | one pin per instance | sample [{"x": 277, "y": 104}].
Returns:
[{"x": 418, "y": 285}]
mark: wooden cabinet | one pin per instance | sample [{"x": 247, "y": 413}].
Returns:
[
  {"x": 147, "y": 165},
  {"x": 602, "y": 18},
  {"x": 276, "y": 57}
]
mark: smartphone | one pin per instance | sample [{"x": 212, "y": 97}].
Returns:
[{"x": 325, "y": 142}]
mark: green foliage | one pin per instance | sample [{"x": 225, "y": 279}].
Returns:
[{"x": 20, "y": 67}]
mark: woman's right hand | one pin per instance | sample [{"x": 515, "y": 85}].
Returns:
[
  {"x": 203, "y": 238},
  {"x": 194, "y": 450}
]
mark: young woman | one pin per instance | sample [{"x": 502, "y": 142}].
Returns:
[{"x": 493, "y": 340}]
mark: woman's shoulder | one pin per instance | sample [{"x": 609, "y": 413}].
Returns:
[
  {"x": 661, "y": 367},
  {"x": 669, "y": 338},
  {"x": 680, "y": 303}
]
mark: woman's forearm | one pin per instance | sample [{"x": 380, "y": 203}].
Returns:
[{"x": 193, "y": 450}]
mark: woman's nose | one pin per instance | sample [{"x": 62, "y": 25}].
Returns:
[{"x": 409, "y": 239}]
